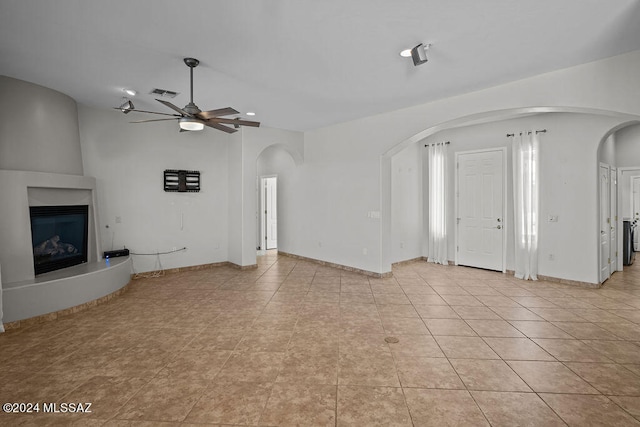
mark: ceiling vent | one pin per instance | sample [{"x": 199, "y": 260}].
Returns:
[{"x": 164, "y": 93}]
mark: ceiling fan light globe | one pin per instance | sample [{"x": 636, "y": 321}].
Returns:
[{"x": 187, "y": 123}]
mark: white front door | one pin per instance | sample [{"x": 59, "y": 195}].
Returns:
[
  {"x": 605, "y": 223},
  {"x": 271, "y": 212},
  {"x": 480, "y": 219}
]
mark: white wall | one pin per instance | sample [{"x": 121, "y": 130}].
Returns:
[
  {"x": 628, "y": 146},
  {"x": 38, "y": 129},
  {"x": 607, "y": 152},
  {"x": 128, "y": 161},
  {"x": 235, "y": 198},
  {"x": 351, "y": 153},
  {"x": 407, "y": 204}
]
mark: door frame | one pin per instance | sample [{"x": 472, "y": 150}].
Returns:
[
  {"x": 262, "y": 231},
  {"x": 620, "y": 196},
  {"x": 505, "y": 222},
  {"x": 634, "y": 212},
  {"x": 613, "y": 209},
  {"x": 601, "y": 200}
]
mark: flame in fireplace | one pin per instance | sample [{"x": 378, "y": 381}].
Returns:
[{"x": 54, "y": 248}]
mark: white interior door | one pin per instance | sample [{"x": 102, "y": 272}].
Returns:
[
  {"x": 605, "y": 223},
  {"x": 613, "y": 235},
  {"x": 635, "y": 186},
  {"x": 271, "y": 212},
  {"x": 480, "y": 219}
]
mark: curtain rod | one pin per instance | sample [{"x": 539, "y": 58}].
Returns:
[
  {"x": 438, "y": 143},
  {"x": 528, "y": 133}
]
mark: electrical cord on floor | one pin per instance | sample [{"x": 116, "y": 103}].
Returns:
[
  {"x": 162, "y": 253},
  {"x": 158, "y": 270}
]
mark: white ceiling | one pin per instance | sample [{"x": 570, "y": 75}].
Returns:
[{"x": 302, "y": 64}]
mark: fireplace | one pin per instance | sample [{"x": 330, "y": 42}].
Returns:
[{"x": 59, "y": 236}]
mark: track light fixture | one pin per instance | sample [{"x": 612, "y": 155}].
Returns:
[{"x": 418, "y": 54}]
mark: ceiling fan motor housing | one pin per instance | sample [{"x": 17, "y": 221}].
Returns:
[
  {"x": 191, "y": 62},
  {"x": 191, "y": 108}
]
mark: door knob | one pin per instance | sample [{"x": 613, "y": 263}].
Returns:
[{"x": 499, "y": 227}]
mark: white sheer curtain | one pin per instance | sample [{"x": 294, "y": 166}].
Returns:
[
  {"x": 525, "y": 201},
  {"x": 437, "y": 204}
]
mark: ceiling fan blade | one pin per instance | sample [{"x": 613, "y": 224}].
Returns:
[
  {"x": 228, "y": 111},
  {"x": 235, "y": 122},
  {"x": 150, "y": 112},
  {"x": 174, "y": 108},
  {"x": 155, "y": 120},
  {"x": 223, "y": 128}
]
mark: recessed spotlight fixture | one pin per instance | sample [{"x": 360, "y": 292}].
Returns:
[
  {"x": 250, "y": 113},
  {"x": 130, "y": 92},
  {"x": 405, "y": 53}
]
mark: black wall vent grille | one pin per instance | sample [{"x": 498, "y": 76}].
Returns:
[{"x": 181, "y": 181}]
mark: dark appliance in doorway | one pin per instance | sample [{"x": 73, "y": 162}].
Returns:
[{"x": 628, "y": 253}]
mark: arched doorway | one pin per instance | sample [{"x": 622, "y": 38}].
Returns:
[
  {"x": 619, "y": 154},
  {"x": 275, "y": 171},
  {"x": 607, "y": 120}
]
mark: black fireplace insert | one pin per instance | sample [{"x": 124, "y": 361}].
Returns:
[{"x": 59, "y": 236}]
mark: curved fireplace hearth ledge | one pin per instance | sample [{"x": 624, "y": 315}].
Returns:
[{"x": 63, "y": 289}]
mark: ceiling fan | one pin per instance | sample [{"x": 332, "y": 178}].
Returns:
[{"x": 191, "y": 118}]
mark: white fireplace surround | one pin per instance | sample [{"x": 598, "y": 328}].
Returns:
[{"x": 24, "y": 294}]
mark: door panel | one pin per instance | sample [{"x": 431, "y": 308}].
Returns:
[
  {"x": 605, "y": 223},
  {"x": 480, "y": 210},
  {"x": 613, "y": 236},
  {"x": 636, "y": 209},
  {"x": 271, "y": 213}
]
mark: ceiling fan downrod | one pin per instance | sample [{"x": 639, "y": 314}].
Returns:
[{"x": 191, "y": 63}]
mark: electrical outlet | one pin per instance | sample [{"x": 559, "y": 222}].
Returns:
[
  {"x": 552, "y": 257},
  {"x": 118, "y": 220},
  {"x": 401, "y": 245},
  {"x": 319, "y": 244},
  {"x": 364, "y": 251}
]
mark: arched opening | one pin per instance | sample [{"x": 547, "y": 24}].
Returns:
[
  {"x": 276, "y": 171},
  {"x": 619, "y": 208},
  {"x": 574, "y": 149}
]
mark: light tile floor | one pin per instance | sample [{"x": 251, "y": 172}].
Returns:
[{"x": 296, "y": 343}]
